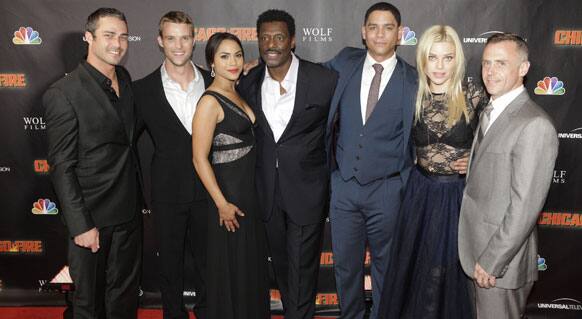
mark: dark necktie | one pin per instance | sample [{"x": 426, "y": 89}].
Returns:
[{"x": 374, "y": 90}]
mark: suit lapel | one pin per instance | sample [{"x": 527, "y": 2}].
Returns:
[
  {"x": 301, "y": 88},
  {"x": 500, "y": 124},
  {"x": 164, "y": 105},
  {"x": 351, "y": 68},
  {"x": 100, "y": 97},
  {"x": 258, "y": 102}
]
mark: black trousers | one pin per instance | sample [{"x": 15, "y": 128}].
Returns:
[
  {"x": 107, "y": 282},
  {"x": 180, "y": 226},
  {"x": 295, "y": 252}
]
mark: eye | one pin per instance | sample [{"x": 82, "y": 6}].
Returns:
[
  {"x": 449, "y": 58},
  {"x": 264, "y": 38},
  {"x": 123, "y": 37},
  {"x": 432, "y": 58},
  {"x": 485, "y": 63},
  {"x": 224, "y": 56},
  {"x": 279, "y": 37},
  {"x": 107, "y": 35},
  {"x": 371, "y": 27},
  {"x": 239, "y": 55}
]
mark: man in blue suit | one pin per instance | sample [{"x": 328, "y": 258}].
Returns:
[{"x": 370, "y": 152}]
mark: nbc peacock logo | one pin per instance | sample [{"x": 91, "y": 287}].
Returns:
[
  {"x": 408, "y": 37},
  {"x": 542, "y": 264},
  {"x": 26, "y": 35},
  {"x": 550, "y": 86},
  {"x": 44, "y": 207}
]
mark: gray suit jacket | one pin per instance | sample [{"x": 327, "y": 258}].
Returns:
[{"x": 507, "y": 184}]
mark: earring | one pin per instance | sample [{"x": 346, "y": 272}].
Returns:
[{"x": 212, "y": 74}]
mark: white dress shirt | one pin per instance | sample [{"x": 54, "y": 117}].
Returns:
[
  {"x": 183, "y": 102},
  {"x": 368, "y": 73},
  {"x": 500, "y": 104},
  {"x": 278, "y": 107}
]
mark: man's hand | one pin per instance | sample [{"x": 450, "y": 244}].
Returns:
[
  {"x": 249, "y": 65},
  {"x": 482, "y": 278},
  {"x": 88, "y": 239}
]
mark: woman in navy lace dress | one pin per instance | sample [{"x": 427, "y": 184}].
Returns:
[{"x": 425, "y": 279}]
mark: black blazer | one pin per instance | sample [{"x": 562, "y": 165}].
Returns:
[
  {"x": 300, "y": 151},
  {"x": 173, "y": 177},
  {"x": 91, "y": 153}
]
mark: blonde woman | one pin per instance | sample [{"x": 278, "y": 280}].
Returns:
[{"x": 425, "y": 279}]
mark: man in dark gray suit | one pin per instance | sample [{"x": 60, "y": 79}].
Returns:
[
  {"x": 509, "y": 176},
  {"x": 94, "y": 170}
]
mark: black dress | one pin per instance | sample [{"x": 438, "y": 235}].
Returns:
[
  {"x": 237, "y": 283},
  {"x": 425, "y": 279}
]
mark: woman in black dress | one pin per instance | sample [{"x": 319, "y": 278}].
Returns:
[
  {"x": 425, "y": 278},
  {"x": 223, "y": 145}
]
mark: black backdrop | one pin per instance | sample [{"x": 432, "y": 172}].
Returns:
[{"x": 42, "y": 40}]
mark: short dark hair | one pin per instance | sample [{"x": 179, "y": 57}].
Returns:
[
  {"x": 275, "y": 15},
  {"x": 179, "y": 17},
  {"x": 215, "y": 41},
  {"x": 94, "y": 17},
  {"x": 383, "y": 6},
  {"x": 511, "y": 37}
]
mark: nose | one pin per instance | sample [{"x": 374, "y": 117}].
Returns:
[{"x": 440, "y": 64}]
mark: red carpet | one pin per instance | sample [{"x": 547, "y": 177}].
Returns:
[{"x": 57, "y": 313}]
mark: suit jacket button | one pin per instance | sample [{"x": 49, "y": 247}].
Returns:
[
  {"x": 359, "y": 145},
  {"x": 357, "y": 158},
  {"x": 355, "y": 169}
]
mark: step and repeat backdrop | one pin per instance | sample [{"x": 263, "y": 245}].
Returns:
[{"x": 40, "y": 41}]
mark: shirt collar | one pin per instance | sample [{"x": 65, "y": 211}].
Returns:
[
  {"x": 291, "y": 76},
  {"x": 103, "y": 81},
  {"x": 387, "y": 64},
  {"x": 505, "y": 99},
  {"x": 166, "y": 77}
]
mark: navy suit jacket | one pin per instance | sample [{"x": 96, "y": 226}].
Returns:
[{"x": 346, "y": 64}]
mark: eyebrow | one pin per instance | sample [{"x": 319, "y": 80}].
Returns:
[{"x": 224, "y": 52}]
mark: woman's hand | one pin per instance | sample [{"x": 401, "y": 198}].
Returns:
[
  {"x": 461, "y": 165},
  {"x": 227, "y": 216}
]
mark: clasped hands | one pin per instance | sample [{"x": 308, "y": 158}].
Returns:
[
  {"x": 227, "y": 213},
  {"x": 482, "y": 278}
]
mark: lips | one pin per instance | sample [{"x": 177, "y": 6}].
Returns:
[{"x": 233, "y": 71}]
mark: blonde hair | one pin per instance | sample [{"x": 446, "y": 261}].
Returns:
[{"x": 456, "y": 104}]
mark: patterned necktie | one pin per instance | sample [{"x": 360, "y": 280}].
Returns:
[{"x": 374, "y": 90}]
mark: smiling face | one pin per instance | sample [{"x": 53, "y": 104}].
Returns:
[
  {"x": 440, "y": 66},
  {"x": 228, "y": 60},
  {"x": 275, "y": 44},
  {"x": 177, "y": 41},
  {"x": 381, "y": 33},
  {"x": 108, "y": 44},
  {"x": 503, "y": 68}
]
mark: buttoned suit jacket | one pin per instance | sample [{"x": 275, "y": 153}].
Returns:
[
  {"x": 507, "y": 183},
  {"x": 298, "y": 157},
  {"x": 404, "y": 81},
  {"x": 91, "y": 152},
  {"x": 174, "y": 179}
]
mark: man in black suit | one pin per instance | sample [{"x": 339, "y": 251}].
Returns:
[
  {"x": 94, "y": 170},
  {"x": 166, "y": 100},
  {"x": 291, "y": 98}
]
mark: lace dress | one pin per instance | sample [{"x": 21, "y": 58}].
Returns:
[
  {"x": 237, "y": 277},
  {"x": 425, "y": 278}
]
